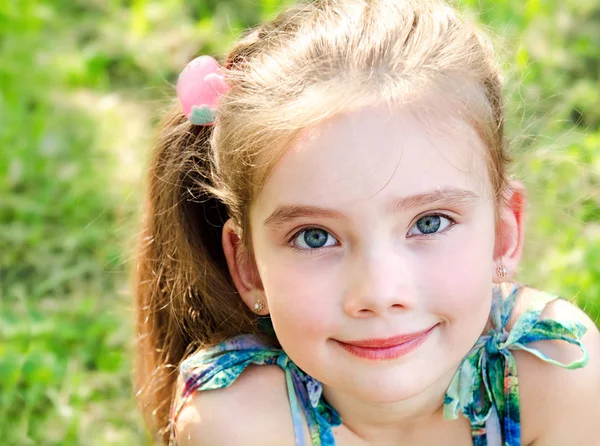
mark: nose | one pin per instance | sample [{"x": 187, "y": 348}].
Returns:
[{"x": 379, "y": 283}]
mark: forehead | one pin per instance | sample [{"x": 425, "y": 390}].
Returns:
[{"x": 375, "y": 154}]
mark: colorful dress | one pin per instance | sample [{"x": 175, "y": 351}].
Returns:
[{"x": 494, "y": 413}]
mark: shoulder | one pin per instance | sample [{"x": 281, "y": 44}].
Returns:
[
  {"x": 253, "y": 410},
  {"x": 560, "y": 406}
]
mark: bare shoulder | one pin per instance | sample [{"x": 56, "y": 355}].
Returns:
[
  {"x": 253, "y": 410},
  {"x": 560, "y": 406}
]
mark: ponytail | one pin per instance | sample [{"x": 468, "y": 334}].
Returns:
[{"x": 185, "y": 296}]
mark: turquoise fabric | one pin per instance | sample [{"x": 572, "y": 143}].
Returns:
[
  {"x": 489, "y": 366},
  {"x": 219, "y": 366}
]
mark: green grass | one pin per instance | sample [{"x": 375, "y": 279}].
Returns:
[{"x": 81, "y": 86}]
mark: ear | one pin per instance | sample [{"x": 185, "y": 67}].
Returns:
[
  {"x": 243, "y": 269},
  {"x": 510, "y": 233}
]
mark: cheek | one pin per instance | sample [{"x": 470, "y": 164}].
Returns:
[
  {"x": 300, "y": 300},
  {"x": 459, "y": 279}
]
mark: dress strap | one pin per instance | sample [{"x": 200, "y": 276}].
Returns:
[
  {"x": 297, "y": 418},
  {"x": 219, "y": 366},
  {"x": 486, "y": 380},
  {"x": 487, "y": 432}
]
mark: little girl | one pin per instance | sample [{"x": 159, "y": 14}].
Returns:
[{"x": 329, "y": 243}]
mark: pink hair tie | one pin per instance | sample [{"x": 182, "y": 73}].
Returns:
[{"x": 199, "y": 87}]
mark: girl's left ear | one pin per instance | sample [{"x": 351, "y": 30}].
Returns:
[
  {"x": 510, "y": 232},
  {"x": 243, "y": 270}
]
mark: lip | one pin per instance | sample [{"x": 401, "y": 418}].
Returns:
[{"x": 386, "y": 348}]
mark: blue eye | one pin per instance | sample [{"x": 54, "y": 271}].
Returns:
[
  {"x": 431, "y": 224},
  {"x": 313, "y": 238}
]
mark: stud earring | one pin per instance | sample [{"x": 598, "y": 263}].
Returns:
[
  {"x": 259, "y": 305},
  {"x": 501, "y": 271}
]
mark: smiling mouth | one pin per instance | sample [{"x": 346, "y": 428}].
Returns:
[{"x": 386, "y": 348}]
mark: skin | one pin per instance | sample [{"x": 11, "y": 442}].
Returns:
[{"x": 377, "y": 276}]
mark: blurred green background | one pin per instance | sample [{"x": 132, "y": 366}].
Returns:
[{"x": 82, "y": 83}]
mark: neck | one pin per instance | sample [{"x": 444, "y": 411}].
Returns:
[{"x": 397, "y": 421}]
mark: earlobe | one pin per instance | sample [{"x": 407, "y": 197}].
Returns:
[
  {"x": 510, "y": 234},
  {"x": 243, "y": 269}
]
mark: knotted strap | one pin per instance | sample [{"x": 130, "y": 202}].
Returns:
[
  {"x": 487, "y": 376},
  {"x": 219, "y": 366}
]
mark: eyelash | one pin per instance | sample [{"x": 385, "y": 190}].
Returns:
[{"x": 418, "y": 236}]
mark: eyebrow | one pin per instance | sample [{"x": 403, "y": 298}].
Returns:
[{"x": 451, "y": 196}]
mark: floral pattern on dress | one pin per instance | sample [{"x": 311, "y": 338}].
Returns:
[
  {"x": 219, "y": 366},
  {"x": 486, "y": 382}
]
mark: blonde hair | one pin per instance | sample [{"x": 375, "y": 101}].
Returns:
[{"x": 312, "y": 61}]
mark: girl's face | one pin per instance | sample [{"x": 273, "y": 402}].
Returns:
[{"x": 378, "y": 224}]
